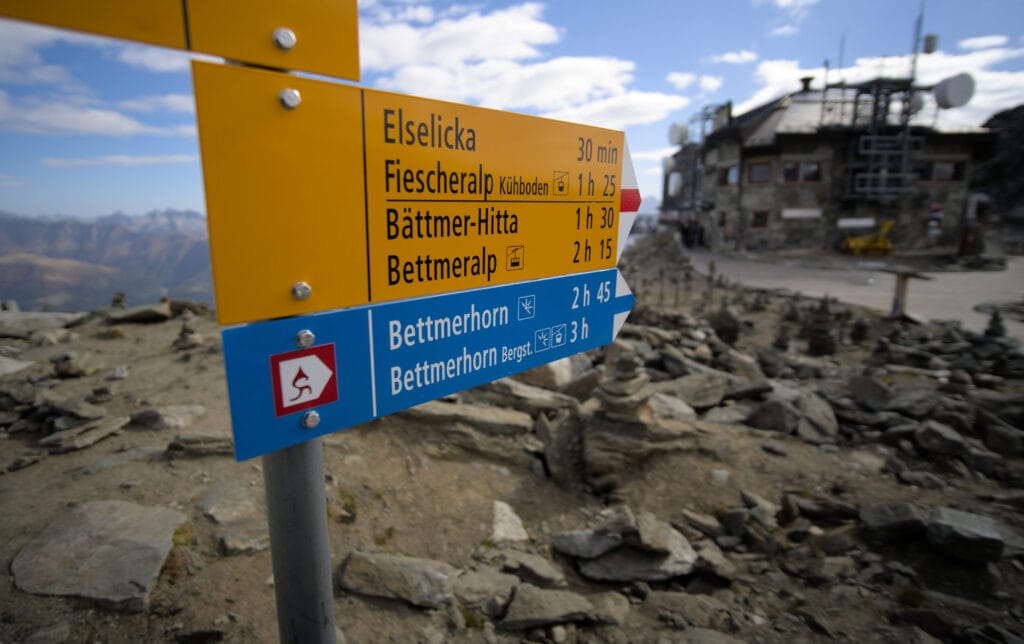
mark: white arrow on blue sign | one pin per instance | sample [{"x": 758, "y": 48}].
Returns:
[{"x": 375, "y": 360}]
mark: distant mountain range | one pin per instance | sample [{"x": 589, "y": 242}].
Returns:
[
  {"x": 69, "y": 263},
  {"x": 62, "y": 263}
]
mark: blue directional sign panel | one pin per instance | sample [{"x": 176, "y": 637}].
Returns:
[{"x": 364, "y": 362}]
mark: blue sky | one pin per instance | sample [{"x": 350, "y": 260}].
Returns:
[{"x": 91, "y": 126}]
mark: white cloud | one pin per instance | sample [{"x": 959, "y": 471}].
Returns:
[
  {"x": 415, "y": 13},
  {"x": 995, "y": 89},
  {"x": 155, "y": 59},
  {"x": 983, "y": 42},
  {"x": 55, "y": 117},
  {"x": 166, "y": 103},
  {"x": 119, "y": 160},
  {"x": 710, "y": 84},
  {"x": 20, "y": 61},
  {"x": 795, "y": 6},
  {"x": 512, "y": 33},
  {"x": 735, "y": 57},
  {"x": 681, "y": 80},
  {"x": 10, "y": 181},
  {"x": 656, "y": 154},
  {"x": 549, "y": 85},
  {"x": 630, "y": 108},
  {"x": 783, "y": 31},
  {"x": 495, "y": 59},
  {"x": 794, "y": 12}
]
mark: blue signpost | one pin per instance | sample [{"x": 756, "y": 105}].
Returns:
[{"x": 293, "y": 379}]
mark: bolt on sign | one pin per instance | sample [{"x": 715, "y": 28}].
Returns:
[
  {"x": 367, "y": 196},
  {"x": 318, "y": 36}
]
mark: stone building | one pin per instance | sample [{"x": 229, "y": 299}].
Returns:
[{"x": 813, "y": 167}]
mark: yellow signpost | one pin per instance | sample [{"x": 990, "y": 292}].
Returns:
[
  {"x": 322, "y": 196},
  {"x": 318, "y": 36},
  {"x": 157, "y": 22}
]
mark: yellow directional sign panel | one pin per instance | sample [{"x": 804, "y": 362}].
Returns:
[
  {"x": 367, "y": 196},
  {"x": 284, "y": 195},
  {"x": 157, "y": 22},
  {"x": 318, "y": 36}
]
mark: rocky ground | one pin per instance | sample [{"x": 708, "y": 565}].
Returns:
[{"x": 737, "y": 466}]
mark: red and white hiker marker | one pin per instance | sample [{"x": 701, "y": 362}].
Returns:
[
  {"x": 303, "y": 379},
  {"x": 629, "y": 199}
]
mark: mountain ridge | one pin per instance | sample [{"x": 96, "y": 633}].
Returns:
[{"x": 163, "y": 252}]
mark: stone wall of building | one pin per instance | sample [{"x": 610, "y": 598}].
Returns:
[{"x": 794, "y": 196}]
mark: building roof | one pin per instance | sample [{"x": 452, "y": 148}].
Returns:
[{"x": 808, "y": 112}]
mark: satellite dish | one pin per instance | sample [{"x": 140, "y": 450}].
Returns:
[
  {"x": 678, "y": 133},
  {"x": 954, "y": 91}
]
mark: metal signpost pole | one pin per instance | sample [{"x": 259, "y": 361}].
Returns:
[{"x": 299, "y": 547}]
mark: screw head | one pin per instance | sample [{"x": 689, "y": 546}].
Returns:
[
  {"x": 301, "y": 290},
  {"x": 290, "y": 98},
  {"x": 284, "y": 38},
  {"x": 310, "y": 419},
  {"x": 304, "y": 338}
]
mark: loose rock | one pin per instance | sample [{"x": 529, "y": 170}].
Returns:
[{"x": 111, "y": 551}]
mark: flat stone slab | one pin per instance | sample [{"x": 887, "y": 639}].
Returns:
[
  {"x": 521, "y": 396},
  {"x": 585, "y": 544},
  {"x": 487, "y": 419},
  {"x": 199, "y": 445},
  {"x": 11, "y": 365},
  {"x": 965, "y": 535},
  {"x": 227, "y": 501},
  {"x": 83, "y": 436},
  {"x": 533, "y": 607},
  {"x": 145, "y": 314},
  {"x": 533, "y": 569},
  {"x": 633, "y": 564},
  {"x": 21, "y": 324},
  {"x": 484, "y": 587},
  {"x": 891, "y": 521},
  {"x": 111, "y": 551},
  {"x": 421, "y": 582}
]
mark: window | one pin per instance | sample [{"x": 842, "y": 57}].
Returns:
[
  {"x": 729, "y": 176},
  {"x": 791, "y": 171},
  {"x": 760, "y": 219},
  {"x": 810, "y": 171},
  {"x": 759, "y": 173},
  {"x": 801, "y": 171}
]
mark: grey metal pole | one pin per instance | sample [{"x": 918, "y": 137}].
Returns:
[{"x": 299, "y": 547}]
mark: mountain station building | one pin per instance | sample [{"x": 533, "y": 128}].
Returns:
[{"x": 811, "y": 168}]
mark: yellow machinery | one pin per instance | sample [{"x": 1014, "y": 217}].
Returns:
[{"x": 874, "y": 244}]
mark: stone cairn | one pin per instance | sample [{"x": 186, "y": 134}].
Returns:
[
  {"x": 995, "y": 328},
  {"x": 820, "y": 341},
  {"x": 624, "y": 389}
]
